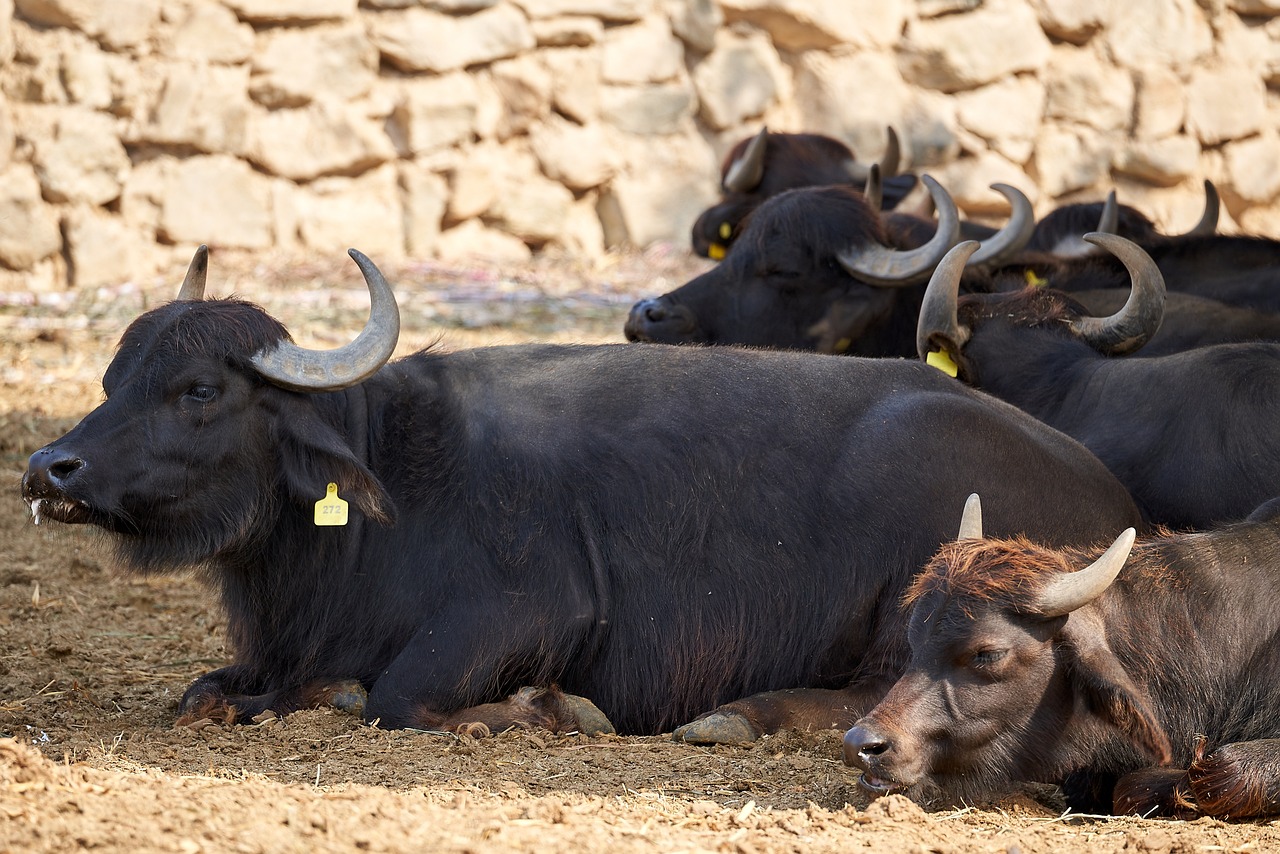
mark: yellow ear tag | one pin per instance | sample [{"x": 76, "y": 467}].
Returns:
[
  {"x": 331, "y": 510},
  {"x": 941, "y": 360},
  {"x": 1033, "y": 280},
  {"x": 715, "y": 252},
  {"x": 725, "y": 230}
]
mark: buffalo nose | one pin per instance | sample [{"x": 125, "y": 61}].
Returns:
[
  {"x": 643, "y": 314},
  {"x": 48, "y": 472},
  {"x": 863, "y": 744}
]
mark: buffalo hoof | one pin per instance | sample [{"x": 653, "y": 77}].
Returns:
[
  {"x": 718, "y": 728},
  {"x": 348, "y": 696},
  {"x": 591, "y": 721}
]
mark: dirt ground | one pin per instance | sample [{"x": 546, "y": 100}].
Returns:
[{"x": 92, "y": 661}]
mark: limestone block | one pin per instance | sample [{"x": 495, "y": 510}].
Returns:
[
  {"x": 29, "y": 229},
  {"x": 491, "y": 109},
  {"x": 424, "y": 195},
  {"x": 663, "y": 108},
  {"x": 364, "y": 212},
  {"x": 965, "y": 51},
  {"x": 143, "y": 194},
  {"x": 969, "y": 181},
  {"x": 100, "y": 246},
  {"x": 323, "y": 138},
  {"x": 646, "y": 52},
  {"x": 118, "y": 24},
  {"x": 1226, "y": 101},
  {"x": 1255, "y": 7},
  {"x": 529, "y": 205},
  {"x": 1172, "y": 33},
  {"x": 203, "y": 106},
  {"x": 421, "y": 40},
  {"x": 797, "y": 25},
  {"x": 1160, "y": 104},
  {"x": 86, "y": 76},
  {"x": 664, "y": 184},
  {"x": 294, "y": 66},
  {"x": 35, "y": 74},
  {"x": 77, "y": 153},
  {"x": 6, "y": 31},
  {"x": 567, "y": 31},
  {"x": 613, "y": 11},
  {"x": 1164, "y": 162},
  {"x": 435, "y": 112},
  {"x": 580, "y": 157},
  {"x": 582, "y": 235},
  {"x": 575, "y": 81},
  {"x": 1253, "y": 166},
  {"x": 929, "y": 131},
  {"x": 1263, "y": 221},
  {"x": 215, "y": 199},
  {"x": 210, "y": 32},
  {"x": 695, "y": 22},
  {"x": 739, "y": 79},
  {"x": 285, "y": 214},
  {"x": 473, "y": 182},
  {"x": 831, "y": 94},
  {"x": 1069, "y": 159},
  {"x": 473, "y": 240},
  {"x": 1080, "y": 87},
  {"x": 1074, "y": 21},
  {"x": 291, "y": 11},
  {"x": 1007, "y": 114},
  {"x": 525, "y": 85}
]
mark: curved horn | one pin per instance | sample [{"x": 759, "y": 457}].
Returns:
[
  {"x": 873, "y": 192},
  {"x": 1208, "y": 223},
  {"x": 1139, "y": 318},
  {"x": 938, "y": 310},
  {"x": 1110, "y": 219},
  {"x": 971, "y": 519},
  {"x": 890, "y": 268},
  {"x": 197, "y": 271},
  {"x": 1072, "y": 590},
  {"x": 1016, "y": 234},
  {"x": 889, "y": 163},
  {"x": 290, "y": 366},
  {"x": 744, "y": 173}
]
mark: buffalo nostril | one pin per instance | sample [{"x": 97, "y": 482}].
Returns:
[
  {"x": 63, "y": 469},
  {"x": 861, "y": 744},
  {"x": 655, "y": 313}
]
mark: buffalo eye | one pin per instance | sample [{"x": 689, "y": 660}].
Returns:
[
  {"x": 985, "y": 659},
  {"x": 201, "y": 393}
]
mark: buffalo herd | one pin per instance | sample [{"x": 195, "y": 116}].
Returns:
[{"x": 757, "y": 531}]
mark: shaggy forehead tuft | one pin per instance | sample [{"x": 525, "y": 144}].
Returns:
[{"x": 1006, "y": 571}]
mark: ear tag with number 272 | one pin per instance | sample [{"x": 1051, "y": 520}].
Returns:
[{"x": 331, "y": 510}]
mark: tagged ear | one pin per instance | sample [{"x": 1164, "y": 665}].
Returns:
[
  {"x": 1109, "y": 692},
  {"x": 313, "y": 455}
]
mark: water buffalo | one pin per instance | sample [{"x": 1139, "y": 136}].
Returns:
[
  {"x": 1189, "y": 433},
  {"x": 1059, "y": 232},
  {"x": 1026, "y": 667},
  {"x": 818, "y": 269},
  {"x": 658, "y": 529},
  {"x": 767, "y": 164}
]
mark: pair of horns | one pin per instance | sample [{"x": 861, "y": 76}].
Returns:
[
  {"x": 746, "y": 172},
  {"x": 1123, "y": 332},
  {"x": 1109, "y": 221},
  {"x": 298, "y": 369},
  {"x": 885, "y": 267},
  {"x": 1070, "y": 590}
]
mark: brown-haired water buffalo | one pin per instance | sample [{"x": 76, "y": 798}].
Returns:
[
  {"x": 659, "y": 529},
  {"x": 1189, "y": 433},
  {"x": 762, "y": 166},
  {"x": 1147, "y": 685}
]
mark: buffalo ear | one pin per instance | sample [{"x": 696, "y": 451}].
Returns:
[
  {"x": 313, "y": 455},
  {"x": 1109, "y": 692}
]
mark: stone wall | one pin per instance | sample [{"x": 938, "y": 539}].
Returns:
[{"x": 132, "y": 129}]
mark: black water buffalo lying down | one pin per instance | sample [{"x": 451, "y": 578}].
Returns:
[
  {"x": 818, "y": 269},
  {"x": 1189, "y": 434},
  {"x": 660, "y": 529},
  {"x": 1159, "y": 672},
  {"x": 767, "y": 164}
]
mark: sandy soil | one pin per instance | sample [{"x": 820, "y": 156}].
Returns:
[{"x": 92, "y": 661}]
